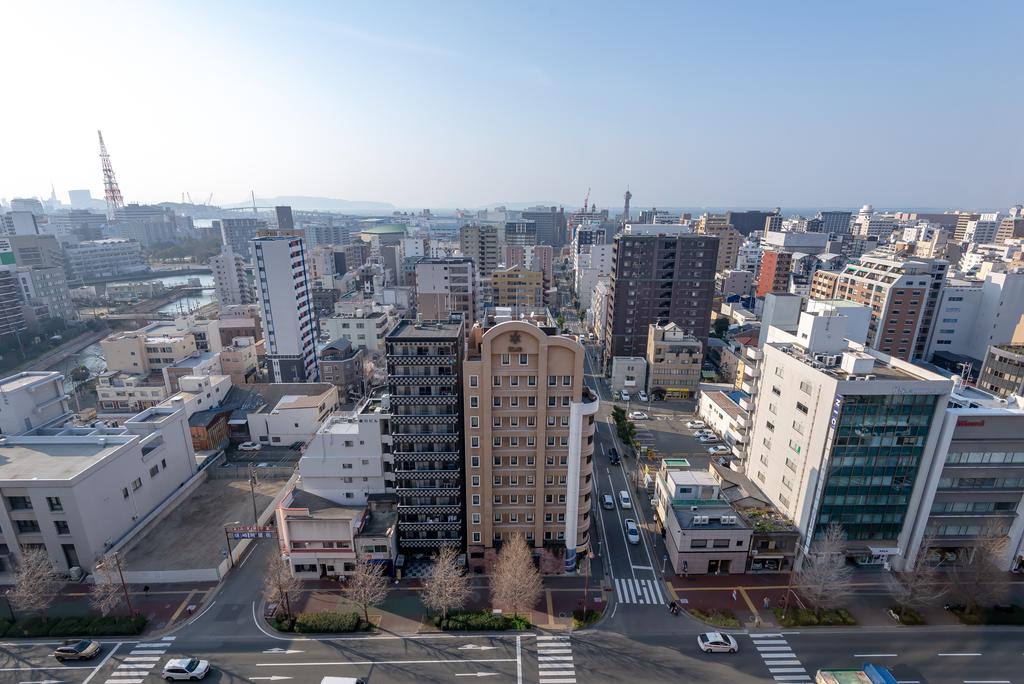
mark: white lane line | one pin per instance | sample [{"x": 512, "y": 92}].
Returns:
[
  {"x": 202, "y": 612},
  {"x": 791, "y": 678},
  {"x": 553, "y": 666},
  {"x": 876, "y": 655},
  {"x": 519, "y": 659},
  {"x": 645, "y": 585},
  {"x": 986, "y": 681},
  {"x": 169, "y": 638},
  {"x": 643, "y": 567},
  {"x": 329, "y": 663},
  {"x": 103, "y": 662},
  {"x": 141, "y": 659},
  {"x": 909, "y": 681},
  {"x": 558, "y": 681},
  {"x": 771, "y": 642},
  {"x": 556, "y": 637},
  {"x": 125, "y": 681},
  {"x": 956, "y": 655},
  {"x": 765, "y": 636},
  {"x": 784, "y": 662},
  {"x": 559, "y": 673}
]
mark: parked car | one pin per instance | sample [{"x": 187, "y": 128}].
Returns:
[
  {"x": 695, "y": 424},
  {"x": 641, "y": 396},
  {"x": 624, "y": 395},
  {"x": 250, "y": 446},
  {"x": 607, "y": 502},
  {"x": 624, "y": 500},
  {"x": 185, "y": 668},
  {"x": 707, "y": 439},
  {"x": 714, "y": 642},
  {"x": 632, "y": 531},
  {"x": 638, "y": 415},
  {"x": 79, "y": 649},
  {"x": 720, "y": 449}
]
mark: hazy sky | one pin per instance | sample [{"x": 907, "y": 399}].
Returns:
[{"x": 462, "y": 104}]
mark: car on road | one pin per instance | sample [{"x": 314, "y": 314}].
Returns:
[
  {"x": 695, "y": 424},
  {"x": 250, "y": 446},
  {"x": 707, "y": 439},
  {"x": 607, "y": 502},
  {"x": 624, "y": 395},
  {"x": 78, "y": 649},
  {"x": 642, "y": 396},
  {"x": 638, "y": 415},
  {"x": 715, "y": 642},
  {"x": 185, "y": 669},
  {"x": 718, "y": 450},
  {"x": 632, "y": 531},
  {"x": 613, "y": 459},
  {"x": 624, "y": 500}
]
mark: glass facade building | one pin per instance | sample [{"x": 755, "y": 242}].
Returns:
[{"x": 877, "y": 444}]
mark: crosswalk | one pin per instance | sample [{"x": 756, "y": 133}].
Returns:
[
  {"x": 554, "y": 660},
  {"x": 783, "y": 665},
  {"x": 636, "y": 591},
  {"x": 137, "y": 665}
]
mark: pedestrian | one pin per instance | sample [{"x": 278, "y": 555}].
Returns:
[
  {"x": 734, "y": 595},
  {"x": 767, "y": 602}
]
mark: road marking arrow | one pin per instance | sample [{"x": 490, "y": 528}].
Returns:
[
  {"x": 474, "y": 647},
  {"x": 274, "y": 678},
  {"x": 282, "y": 651},
  {"x": 476, "y": 674}
]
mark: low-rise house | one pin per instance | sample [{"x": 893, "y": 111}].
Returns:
[
  {"x": 293, "y": 411},
  {"x": 342, "y": 366},
  {"x": 122, "y": 392}
]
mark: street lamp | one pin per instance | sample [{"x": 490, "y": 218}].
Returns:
[{"x": 227, "y": 539}]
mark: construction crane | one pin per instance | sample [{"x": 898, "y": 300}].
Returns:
[
  {"x": 586, "y": 201},
  {"x": 111, "y": 191}
]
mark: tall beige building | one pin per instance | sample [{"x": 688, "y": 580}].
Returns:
[
  {"x": 529, "y": 426},
  {"x": 444, "y": 286},
  {"x": 729, "y": 239},
  {"x": 518, "y": 288},
  {"x": 673, "y": 361}
]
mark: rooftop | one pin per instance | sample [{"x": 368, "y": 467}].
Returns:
[
  {"x": 410, "y": 330},
  {"x": 714, "y": 513},
  {"x": 196, "y": 360},
  {"x": 725, "y": 402},
  {"x": 54, "y": 458},
  {"x": 26, "y": 379},
  {"x": 319, "y": 507}
]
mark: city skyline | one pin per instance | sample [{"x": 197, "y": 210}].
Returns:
[{"x": 469, "y": 106}]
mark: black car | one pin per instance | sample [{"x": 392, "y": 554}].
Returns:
[{"x": 613, "y": 452}]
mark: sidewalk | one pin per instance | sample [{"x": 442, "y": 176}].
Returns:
[{"x": 403, "y": 612}]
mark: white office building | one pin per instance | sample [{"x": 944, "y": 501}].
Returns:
[
  {"x": 230, "y": 280},
  {"x": 289, "y": 318}
]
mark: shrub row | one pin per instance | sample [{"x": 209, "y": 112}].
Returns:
[
  {"x": 908, "y": 616},
  {"x": 999, "y": 615},
  {"x": 803, "y": 617},
  {"x": 323, "y": 623},
  {"x": 581, "y": 619},
  {"x": 482, "y": 620},
  {"x": 72, "y": 626},
  {"x": 718, "y": 618}
]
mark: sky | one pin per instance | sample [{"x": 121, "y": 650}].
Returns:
[{"x": 445, "y": 104}]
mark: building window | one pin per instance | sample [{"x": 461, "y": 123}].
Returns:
[
  {"x": 474, "y": 381},
  {"x": 496, "y": 381},
  {"x": 55, "y": 504},
  {"x": 496, "y": 402},
  {"x": 531, "y": 380},
  {"x": 474, "y": 461},
  {"x": 27, "y": 526},
  {"x": 476, "y": 499},
  {"x": 476, "y": 480},
  {"x": 496, "y": 421},
  {"x": 474, "y": 442},
  {"x": 476, "y": 537},
  {"x": 62, "y": 527},
  {"x": 154, "y": 470},
  {"x": 698, "y": 543},
  {"x": 720, "y": 544},
  {"x": 474, "y": 421},
  {"x": 136, "y": 483},
  {"x": 19, "y": 503},
  {"x": 474, "y": 402},
  {"x": 506, "y": 359},
  {"x": 523, "y": 359},
  {"x": 801, "y": 408},
  {"x": 496, "y": 441}
]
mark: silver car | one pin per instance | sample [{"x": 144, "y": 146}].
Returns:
[{"x": 715, "y": 642}]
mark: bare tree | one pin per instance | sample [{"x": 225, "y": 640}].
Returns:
[
  {"x": 921, "y": 584},
  {"x": 978, "y": 576},
  {"x": 825, "y": 577},
  {"x": 515, "y": 584},
  {"x": 367, "y": 586},
  {"x": 107, "y": 591},
  {"x": 35, "y": 581},
  {"x": 279, "y": 584},
  {"x": 447, "y": 587}
]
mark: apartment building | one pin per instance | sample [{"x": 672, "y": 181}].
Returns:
[
  {"x": 147, "y": 349},
  {"x": 239, "y": 361},
  {"x": 629, "y": 374},
  {"x": 823, "y": 284},
  {"x": 231, "y": 282},
  {"x": 973, "y": 315},
  {"x": 674, "y": 360},
  {"x": 733, "y": 282},
  {"x": 447, "y": 285},
  {"x": 902, "y": 294},
  {"x": 843, "y": 434},
  {"x": 667, "y": 275},
  {"x": 482, "y": 243},
  {"x": 424, "y": 362},
  {"x": 289, "y": 318},
  {"x": 97, "y": 259},
  {"x": 729, "y": 239},
  {"x": 30, "y": 400},
  {"x": 1003, "y": 370},
  {"x": 519, "y": 289},
  {"x": 292, "y": 412},
  {"x": 591, "y": 264},
  {"x": 529, "y": 430},
  {"x": 362, "y": 328},
  {"x": 773, "y": 276},
  {"x": 238, "y": 234},
  {"x": 597, "y": 312},
  {"x": 122, "y": 392}
]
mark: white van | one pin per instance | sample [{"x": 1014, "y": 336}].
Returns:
[
  {"x": 343, "y": 680},
  {"x": 624, "y": 501}
]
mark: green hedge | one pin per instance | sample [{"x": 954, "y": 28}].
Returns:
[
  {"x": 1008, "y": 615},
  {"x": 35, "y": 627},
  {"x": 802, "y": 617},
  {"x": 323, "y": 623},
  {"x": 581, "y": 619},
  {"x": 718, "y": 618},
  {"x": 483, "y": 621}
]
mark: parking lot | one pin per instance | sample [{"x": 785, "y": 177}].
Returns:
[{"x": 665, "y": 431}]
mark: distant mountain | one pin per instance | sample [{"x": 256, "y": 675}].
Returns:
[{"x": 304, "y": 203}]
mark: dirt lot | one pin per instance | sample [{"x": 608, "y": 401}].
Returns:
[{"x": 192, "y": 536}]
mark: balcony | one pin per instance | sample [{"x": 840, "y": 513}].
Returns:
[
  {"x": 750, "y": 371},
  {"x": 422, "y": 360},
  {"x": 422, "y": 400},
  {"x": 443, "y": 456},
  {"x": 407, "y": 380},
  {"x": 428, "y": 491},
  {"x": 449, "y": 437},
  {"x": 750, "y": 387},
  {"x": 438, "y": 525},
  {"x": 430, "y": 543},
  {"x": 430, "y": 509},
  {"x": 754, "y": 353},
  {"x": 426, "y": 473},
  {"x": 425, "y": 419}
]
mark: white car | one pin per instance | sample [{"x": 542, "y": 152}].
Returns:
[
  {"x": 695, "y": 424},
  {"x": 624, "y": 501},
  {"x": 250, "y": 446},
  {"x": 642, "y": 396},
  {"x": 638, "y": 415},
  {"x": 719, "y": 450},
  {"x": 707, "y": 439},
  {"x": 632, "y": 531},
  {"x": 715, "y": 642},
  {"x": 185, "y": 668},
  {"x": 624, "y": 395},
  {"x": 704, "y": 433}
]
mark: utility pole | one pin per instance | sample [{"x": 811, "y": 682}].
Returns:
[
  {"x": 252, "y": 491},
  {"x": 120, "y": 574}
]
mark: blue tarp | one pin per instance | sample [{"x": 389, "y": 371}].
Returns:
[{"x": 878, "y": 674}]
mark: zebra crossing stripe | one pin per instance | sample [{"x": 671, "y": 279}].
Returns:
[{"x": 781, "y": 670}]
